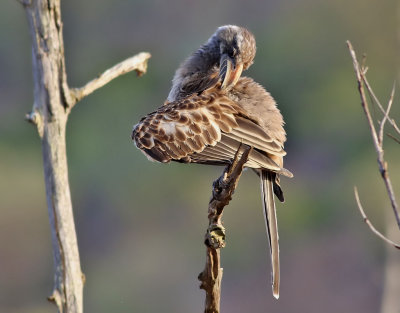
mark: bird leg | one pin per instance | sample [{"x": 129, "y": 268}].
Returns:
[{"x": 222, "y": 191}]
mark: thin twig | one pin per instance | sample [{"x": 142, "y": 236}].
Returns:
[
  {"x": 368, "y": 222},
  {"x": 383, "y": 167},
  {"x": 223, "y": 189},
  {"x": 393, "y": 137},
  {"x": 136, "y": 63},
  {"x": 378, "y": 103},
  {"x": 386, "y": 116},
  {"x": 364, "y": 102}
]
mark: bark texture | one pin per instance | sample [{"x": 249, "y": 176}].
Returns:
[
  {"x": 53, "y": 101},
  {"x": 50, "y": 114},
  {"x": 222, "y": 191}
]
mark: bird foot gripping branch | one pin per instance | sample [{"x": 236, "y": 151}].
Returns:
[{"x": 222, "y": 191}]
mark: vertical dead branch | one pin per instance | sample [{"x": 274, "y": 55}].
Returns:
[
  {"x": 53, "y": 101},
  {"x": 377, "y": 139},
  {"x": 222, "y": 191},
  {"x": 50, "y": 111},
  {"x": 391, "y": 287}
]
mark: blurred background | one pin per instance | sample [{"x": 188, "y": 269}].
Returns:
[{"x": 140, "y": 225}]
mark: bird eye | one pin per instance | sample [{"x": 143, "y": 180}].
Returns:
[{"x": 232, "y": 52}]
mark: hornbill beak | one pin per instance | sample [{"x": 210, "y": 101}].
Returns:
[{"x": 229, "y": 71}]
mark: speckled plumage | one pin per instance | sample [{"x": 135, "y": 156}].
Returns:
[{"x": 209, "y": 128}]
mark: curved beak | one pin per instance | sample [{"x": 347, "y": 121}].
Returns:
[{"x": 229, "y": 71}]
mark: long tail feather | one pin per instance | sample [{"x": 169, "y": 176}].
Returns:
[{"x": 267, "y": 190}]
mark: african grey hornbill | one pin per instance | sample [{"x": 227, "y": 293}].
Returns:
[{"x": 211, "y": 110}]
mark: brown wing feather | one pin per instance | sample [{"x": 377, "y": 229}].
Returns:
[
  {"x": 197, "y": 83},
  {"x": 206, "y": 128}
]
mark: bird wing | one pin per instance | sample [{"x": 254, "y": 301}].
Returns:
[{"x": 207, "y": 129}]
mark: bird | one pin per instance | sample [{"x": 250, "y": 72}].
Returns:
[{"x": 211, "y": 110}]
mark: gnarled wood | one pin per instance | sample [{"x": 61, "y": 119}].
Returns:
[{"x": 223, "y": 189}]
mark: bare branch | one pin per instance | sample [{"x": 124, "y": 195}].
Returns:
[
  {"x": 223, "y": 189},
  {"x": 378, "y": 103},
  {"x": 51, "y": 106},
  {"x": 364, "y": 102},
  {"x": 383, "y": 167},
  {"x": 368, "y": 222},
  {"x": 136, "y": 63},
  {"x": 50, "y": 117},
  {"x": 386, "y": 115},
  {"x": 393, "y": 137}
]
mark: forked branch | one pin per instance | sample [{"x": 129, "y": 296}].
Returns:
[
  {"x": 377, "y": 139},
  {"x": 53, "y": 100}
]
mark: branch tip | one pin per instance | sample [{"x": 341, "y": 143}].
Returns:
[
  {"x": 393, "y": 137},
  {"x": 370, "y": 225},
  {"x": 32, "y": 117},
  {"x": 136, "y": 63},
  {"x": 386, "y": 115},
  {"x": 56, "y": 298}
]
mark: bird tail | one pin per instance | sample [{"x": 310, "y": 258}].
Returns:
[{"x": 267, "y": 191}]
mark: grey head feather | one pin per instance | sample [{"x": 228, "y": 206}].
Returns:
[{"x": 199, "y": 71}]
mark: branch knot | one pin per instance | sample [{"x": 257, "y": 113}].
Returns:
[{"x": 222, "y": 190}]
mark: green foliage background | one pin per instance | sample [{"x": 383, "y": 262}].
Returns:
[{"x": 140, "y": 225}]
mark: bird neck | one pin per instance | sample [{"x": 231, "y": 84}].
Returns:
[
  {"x": 198, "y": 67},
  {"x": 205, "y": 59}
]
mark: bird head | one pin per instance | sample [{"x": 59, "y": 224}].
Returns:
[{"x": 237, "y": 48}]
